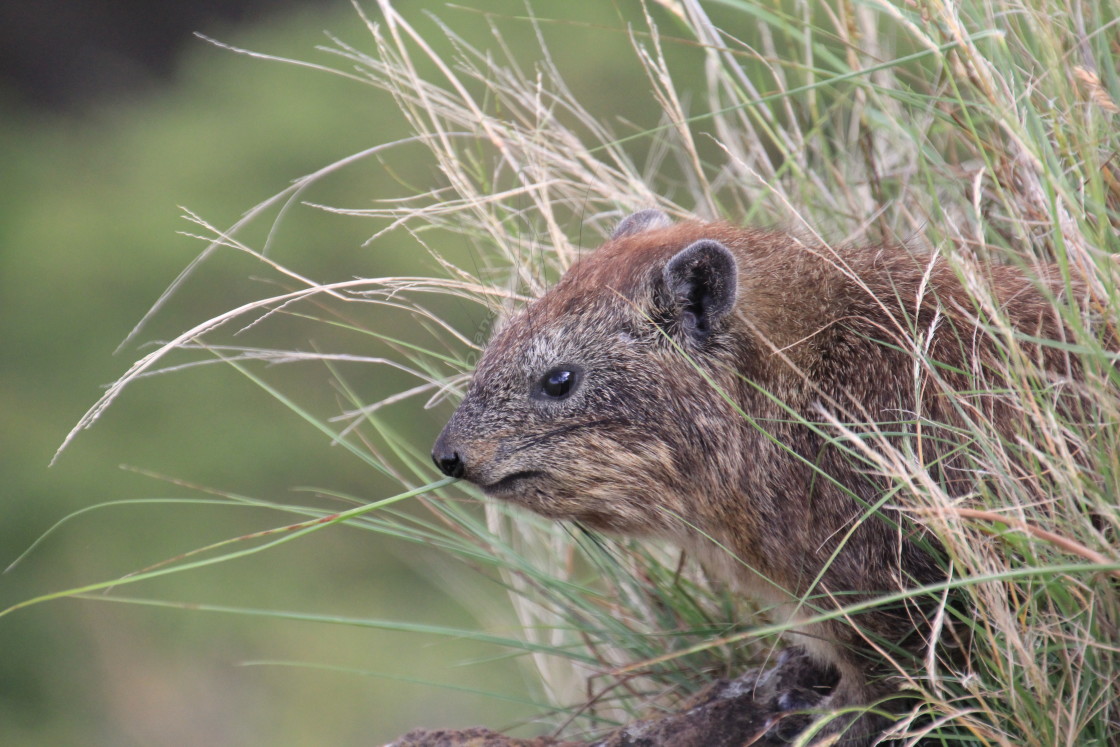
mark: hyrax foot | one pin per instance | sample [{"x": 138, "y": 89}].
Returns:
[{"x": 800, "y": 683}]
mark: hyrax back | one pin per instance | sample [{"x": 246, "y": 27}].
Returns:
[{"x": 679, "y": 382}]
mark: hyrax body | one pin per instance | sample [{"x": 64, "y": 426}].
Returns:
[{"x": 678, "y": 382}]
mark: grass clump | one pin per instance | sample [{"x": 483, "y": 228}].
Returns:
[{"x": 984, "y": 130}]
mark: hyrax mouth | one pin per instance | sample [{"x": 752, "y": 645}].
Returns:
[{"x": 511, "y": 484}]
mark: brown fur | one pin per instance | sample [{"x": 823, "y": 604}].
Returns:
[{"x": 674, "y": 434}]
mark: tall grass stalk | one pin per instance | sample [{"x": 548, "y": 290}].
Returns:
[{"x": 982, "y": 130}]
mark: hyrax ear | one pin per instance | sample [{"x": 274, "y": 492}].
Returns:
[
  {"x": 702, "y": 281},
  {"x": 643, "y": 220}
]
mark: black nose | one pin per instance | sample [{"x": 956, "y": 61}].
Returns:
[
  {"x": 449, "y": 464},
  {"x": 447, "y": 458}
]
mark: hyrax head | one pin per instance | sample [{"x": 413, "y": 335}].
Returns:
[{"x": 600, "y": 402}]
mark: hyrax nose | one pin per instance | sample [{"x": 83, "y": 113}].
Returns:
[{"x": 447, "y": 457}]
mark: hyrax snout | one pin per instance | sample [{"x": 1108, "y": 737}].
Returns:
[{"x": 685, "y": 381}]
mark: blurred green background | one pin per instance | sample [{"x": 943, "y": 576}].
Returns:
[{"x": 92, "y": 184}]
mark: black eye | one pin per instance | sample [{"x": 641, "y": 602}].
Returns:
[{"x": 559, "y": 382}]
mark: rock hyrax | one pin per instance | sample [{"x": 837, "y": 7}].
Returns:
[{"x": 686, "y": 381}]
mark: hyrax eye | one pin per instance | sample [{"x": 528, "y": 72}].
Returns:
[{"x": 558, "y": 383}]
